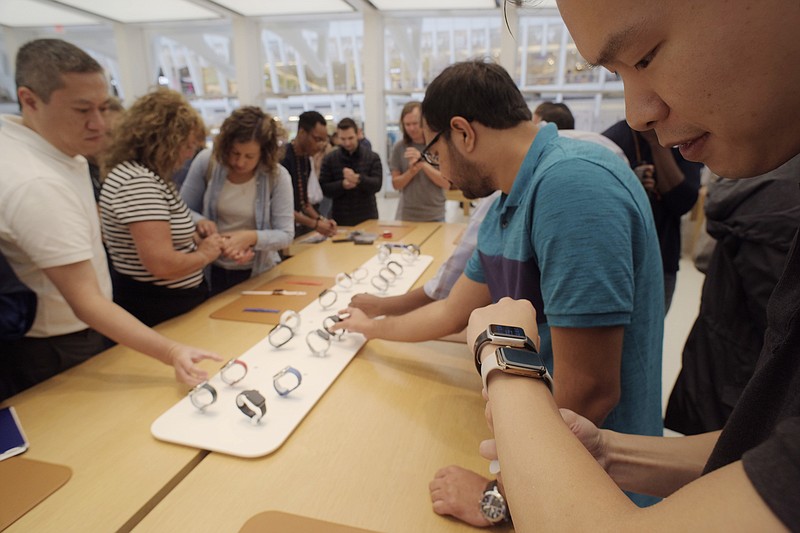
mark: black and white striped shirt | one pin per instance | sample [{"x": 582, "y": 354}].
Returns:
[{"x": 133, "y": 193}]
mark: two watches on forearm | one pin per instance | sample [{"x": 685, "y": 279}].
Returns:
[{"x": 516, "y": 354}]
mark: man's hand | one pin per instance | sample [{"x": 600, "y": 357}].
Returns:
[
  {"x": 369, "y": 303},
  {"x": 645, "y": 174},
  {"x": 327, "y": 227},
  {"x": 457, "y": 492},
  {"x": 590, "y": 436},
  {"x": 357, "y": 322},
  {"x": 183, "y": 359},
  {"x": 351, "y": 179}
]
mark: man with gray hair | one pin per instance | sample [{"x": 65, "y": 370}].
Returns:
[{"x": 62, "y": 95}]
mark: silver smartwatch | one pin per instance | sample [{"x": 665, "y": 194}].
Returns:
[
  {"x": 501, "y": 335},
  {"x": 517, "y": 361}
]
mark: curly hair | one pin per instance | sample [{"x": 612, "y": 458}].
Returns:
[
  {"x": 247, "y": 124},
  {"x": 153, "y": 131}
]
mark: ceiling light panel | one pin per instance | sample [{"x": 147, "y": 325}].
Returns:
[
  {"x": 262, "y": 8},
  {"x": 417, "y": 5},
  {"x": 28, "y": 13},
  {"x": 132, "y": 11}
]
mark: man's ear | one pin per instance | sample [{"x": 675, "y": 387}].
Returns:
[
  {"x": 463, "y": 132},
  {"x": 27, "y": 98}
]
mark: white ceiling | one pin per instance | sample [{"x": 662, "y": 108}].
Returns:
[{"x": 42, "y": 13}]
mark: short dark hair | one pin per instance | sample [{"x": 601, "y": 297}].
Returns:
[
  {"x": 478, "y": 91},
  {"x": 247, "y": 124},
  {"x": 309, "y": 119},
  {"x": 40, "y": 60},
  {"x": 346, "y": 124},
  {"x": 408, "y": 108},
  {"x": 557, "y": 113}
]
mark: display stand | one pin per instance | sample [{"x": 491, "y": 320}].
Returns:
[{"x": 221, "y": 427}]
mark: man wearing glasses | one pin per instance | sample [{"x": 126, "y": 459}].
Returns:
[{"x": 572, "y": 233}]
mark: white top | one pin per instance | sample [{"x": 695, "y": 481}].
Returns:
[
  {"x": 236, "y": 210},
  {"x": 48, "y": 219}
]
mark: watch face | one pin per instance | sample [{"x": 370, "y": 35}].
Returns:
[
  {"x": 511, "y": 332},
  {"x": 493, "y": 507},
  {"x": 524, "y": 359}
]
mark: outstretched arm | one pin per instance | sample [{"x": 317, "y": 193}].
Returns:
[{"x": 77, "y": 282}]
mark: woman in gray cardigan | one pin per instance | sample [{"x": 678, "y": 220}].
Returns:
[{"x": 239, "y": 190}]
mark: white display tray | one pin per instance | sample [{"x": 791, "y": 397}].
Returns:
[{"x": 221, "y": 427}]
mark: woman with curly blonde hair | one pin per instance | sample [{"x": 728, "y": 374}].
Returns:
[
  {"x": 241, "y": 192},
  {"x": 151, "y": 238}
]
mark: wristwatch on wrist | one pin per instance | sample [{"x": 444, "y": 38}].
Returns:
[
  {"x": 493, "y": 505},
  {"x": 517, "y": 361},
  {"x": 501, "y": 336}
]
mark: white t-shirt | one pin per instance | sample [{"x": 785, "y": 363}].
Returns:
[{"x": 48, "y": 219}]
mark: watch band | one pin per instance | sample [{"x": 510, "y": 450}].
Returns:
[
  {"x": 318, "y": 341},
  {"x": 484, "y": 338},
  {"x": 203, "y": 395},
  {"x": 290, "y": 319},
  {"x": 233, "y": 371},
  {"x": 380, "y": 283},
  {"x": 252, "y": 404},
  {"x": 279, "y": 381},
  {"x": 328, "y": 322},
  {"x": 327, "y": 298},
  {"x": 280, "y": 335}
]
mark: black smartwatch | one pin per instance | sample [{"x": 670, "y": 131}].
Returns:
[{"x": 501, "y": 336}]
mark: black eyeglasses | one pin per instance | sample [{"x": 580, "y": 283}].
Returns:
[{"x": 432, "y": 160}]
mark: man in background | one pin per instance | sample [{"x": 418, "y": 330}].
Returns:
[{"x": 351, "y": 176}]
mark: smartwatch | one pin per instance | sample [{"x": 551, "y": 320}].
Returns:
[
  {"x": 318, "y": 341},
  {"x": 410, "y": 253},
  {"x": 290, "y": 319},
  {"x": 384, "y": 252},
  {"x": 359, "y": 274},
  {"x": 493, "y": 505},
  {"x": 517, "y": 361},
  {"x": 203, "y": 395},
  {"x": 280, "y": 335},
  {"x": 233, "y": 371},
  {"x": 380, "y": 283},
  {"x": 327, "y": 298},
  {"x": 395, "y": 267},
  {"x": 501, "y": 336},
  {"x": 283, "y": 384},
  {"x": 252, "y": 404},
  {"x": 388, "y": 274},
  {"x": 328, "y": 322},
  {"x": 344, "y": 280}
]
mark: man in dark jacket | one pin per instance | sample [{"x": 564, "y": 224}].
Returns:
[
  {"x": 753, "y": 222},
  {"x": 351, "y": 176},
  {"x": 671, "y": 183}
]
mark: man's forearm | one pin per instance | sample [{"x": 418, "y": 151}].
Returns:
[
  {"x": 426, "y": 323},
  {"x": 656, "y": 465}
]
